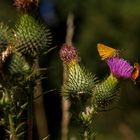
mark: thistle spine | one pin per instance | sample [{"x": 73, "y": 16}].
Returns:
[
  {"x": 31, "y": 37},
  {"x": 106, "y": 92}
]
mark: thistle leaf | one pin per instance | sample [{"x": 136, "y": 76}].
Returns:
[
  {"x": 20, "y": 134},
  {"x": 21, "y": 125}
]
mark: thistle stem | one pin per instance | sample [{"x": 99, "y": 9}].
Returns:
[
  {"x": 85, "y": 135},
  {"x": 40, "y": 116},
  {"x": 12, "y": 129},
  {"x": 65, "y": 118},
  {"x": 65, "y": 102}
]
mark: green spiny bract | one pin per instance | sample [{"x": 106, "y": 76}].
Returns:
[
  {"x": 106, "y": 92},
  {"x": 78, "y": 81},
  {"x": 5, "y": 37},
  {"x": 31, "y": 37},
  {"x": 16, "y": 64}
]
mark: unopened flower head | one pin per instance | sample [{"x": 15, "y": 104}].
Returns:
[
  {"x": 68, "y": 53},
  {"x": 120, "y": 67}
]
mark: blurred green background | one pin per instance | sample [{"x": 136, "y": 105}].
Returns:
[{"x": 115, "y": 23}]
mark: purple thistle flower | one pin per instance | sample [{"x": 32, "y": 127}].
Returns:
[
  {"x": 68, "y": 53},
  {"x": 120, "y": 67}
]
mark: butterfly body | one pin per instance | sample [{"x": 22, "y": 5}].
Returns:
[
  {"x": 135, "y": 76},
  {"x": 106, "y": 52}
]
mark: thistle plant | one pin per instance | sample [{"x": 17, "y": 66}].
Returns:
[
  {"x": 20, "y": 80},
  {"x": 20, "y": 49},
  {"x": 12, "y": 66},
  {"x": 86, "y": 94}
]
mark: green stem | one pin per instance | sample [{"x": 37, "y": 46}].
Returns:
[
  {"x": 12, "y": 129},
  {"x": 85, "y": 135},
  {"x": 87, "y": 125}
]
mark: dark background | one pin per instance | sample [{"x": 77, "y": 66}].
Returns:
[{"x": 114, "y": 23}]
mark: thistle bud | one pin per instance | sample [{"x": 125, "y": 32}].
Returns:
[
  {"x": 105, "y": 93},
  {"x": 31, "y": 37}
]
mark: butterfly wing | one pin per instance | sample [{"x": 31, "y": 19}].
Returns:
[
  {"x": 135, "y": 76},
  {"x": 106, "y": 52}
]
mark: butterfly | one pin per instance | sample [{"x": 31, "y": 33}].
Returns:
[
  {"x": 135, "y": 76},
  {"x": 106, "y": 51}
]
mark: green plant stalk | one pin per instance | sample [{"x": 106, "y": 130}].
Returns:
[
  {"x": 85, "y": 135},
  {"x": 86, "y": 118},
  {"x": 12, "y": 133},
  {"x": 12, "y": 129}
]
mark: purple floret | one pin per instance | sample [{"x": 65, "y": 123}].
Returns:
[
  {"x": 68, "y": 53},
  {"x": 120, "y": 67}
]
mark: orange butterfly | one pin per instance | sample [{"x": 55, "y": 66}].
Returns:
[
  {"x": 135, "y": 76},
  {"x": 106, "y": 52}
]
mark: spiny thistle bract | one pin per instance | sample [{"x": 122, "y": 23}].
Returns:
[
  {"x": 78, "y": 82},
  {"x": 16, "y": 64},
  {"x": 31, "y": 37},
  {"x": 105, "y": 93}
]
